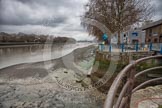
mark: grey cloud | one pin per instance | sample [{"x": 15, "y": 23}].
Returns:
[
  {"x": 157, "y": 4},
  {"x": 22, "y": 12},
  {"x": 36, "y": 12},
  {"x": 60, "y": 17},
  {"x": 51, "y": 3},
  {"x": 159, "y": 7},
  {"x": 26, "y": 1}
]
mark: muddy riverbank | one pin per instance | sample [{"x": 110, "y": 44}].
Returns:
[{"x": 58, "y": 83}]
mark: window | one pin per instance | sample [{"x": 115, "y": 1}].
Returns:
[
  {"x": 160, "y": 38},
  {"x": 135, "y": 41},
  {"x": 156, "y": 40},
  {"x": 155, "y": 31},
  {"x": 160, "y": 35}
]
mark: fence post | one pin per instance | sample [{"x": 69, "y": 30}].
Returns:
[
  {"x": 101, "y": 47},
  {"x": 143, "y": 46},
  {"x": 110, "y": 48},
  {"x": 161, "y": 49},
  {"x": 122, "y": 46},
  {"x": 150, "y": 47},
  {"x": 136, "y": 47}
]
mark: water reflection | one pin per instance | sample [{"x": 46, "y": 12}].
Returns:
[{"x": 12, "y": 55}]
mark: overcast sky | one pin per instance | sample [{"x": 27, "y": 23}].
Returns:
[{"x": 53, "y": 17}]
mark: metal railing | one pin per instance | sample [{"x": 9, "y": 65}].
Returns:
[
  {"x": 131, "y": 47},
  {"x": 124, "y": 98}
]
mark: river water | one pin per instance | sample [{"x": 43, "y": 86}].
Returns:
[{"x": 12, "y": 55}]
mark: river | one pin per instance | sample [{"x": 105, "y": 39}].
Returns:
[{"x": 18, "y": 54}]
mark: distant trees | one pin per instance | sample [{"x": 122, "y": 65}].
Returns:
[
  {"x": 32, "y": 38},
  {"x": 116, "y": 15}
]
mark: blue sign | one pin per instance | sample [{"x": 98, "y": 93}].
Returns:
[
  {"x": 105, "y": 37},
  {"x": 135, "y": 34}
]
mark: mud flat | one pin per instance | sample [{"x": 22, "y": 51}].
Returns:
[{"x": 58, "y": 83}]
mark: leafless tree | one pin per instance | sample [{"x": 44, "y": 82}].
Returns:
[{"x": 116, "y": 15}]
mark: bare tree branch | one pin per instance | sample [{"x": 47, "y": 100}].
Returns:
[{"x": 116, "y": 15}]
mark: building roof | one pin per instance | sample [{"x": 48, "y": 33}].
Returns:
[{"x": 152, "y": 24}]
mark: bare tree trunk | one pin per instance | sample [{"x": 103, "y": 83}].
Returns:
[{"x": 118, "y": 38}]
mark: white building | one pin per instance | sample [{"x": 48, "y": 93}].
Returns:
[{"x": 133, "y": 36}]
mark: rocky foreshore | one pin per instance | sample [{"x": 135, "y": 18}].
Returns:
[{"x": 150, "y": 97}]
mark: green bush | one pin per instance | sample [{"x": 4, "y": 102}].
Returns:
[
  {"x": 160, "y": 106},
  {"x": 145, "y": 65}
]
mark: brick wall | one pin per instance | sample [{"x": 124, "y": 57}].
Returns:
[{"x": 154, "y": 34}]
